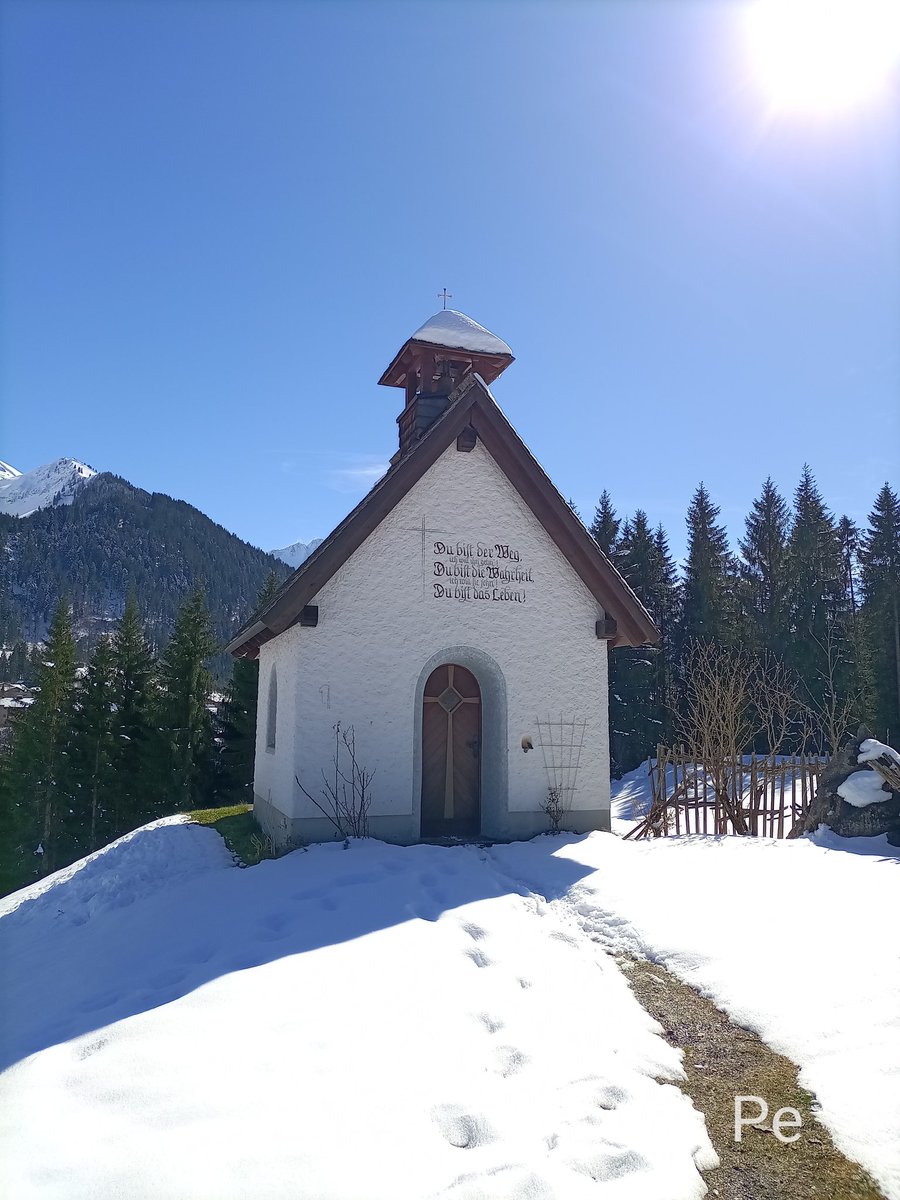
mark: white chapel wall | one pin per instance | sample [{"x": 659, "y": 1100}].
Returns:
[{"x": 382, "y": 617}]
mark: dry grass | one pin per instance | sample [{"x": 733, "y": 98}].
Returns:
[{"x": 723, "y": 1061}]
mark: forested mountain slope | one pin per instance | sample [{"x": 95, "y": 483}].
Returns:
[{"x": 115, "y": 537}]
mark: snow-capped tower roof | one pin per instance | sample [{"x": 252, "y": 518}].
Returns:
[
  {"x": 457, "y": 331},
  {"x": 477, "y": 349}
]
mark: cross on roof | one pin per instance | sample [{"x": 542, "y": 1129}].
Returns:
[{"x": 445, "y": 296}]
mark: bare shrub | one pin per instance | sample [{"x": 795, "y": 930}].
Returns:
[
  {"x": 731, "y": 699},
  {"x": 347, "y": 795},
  {"x": 554, "y": 809},
  {"x": 835, "y": 712}
]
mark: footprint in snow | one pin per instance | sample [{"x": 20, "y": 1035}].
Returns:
[
  {"x": 92, "y": 1047},
  {"x": 460, "y": 1128},
  {"x": 509, "y": 1060},
  {"x": 609, "y": 1098},
  {"x": 566, "y": 938},
  {"x": 478, "y": 957},
  {"x": 491, "y": 1024},
  {"x": 603, "y": 1167},
  {"x": 475, "y": 932}
]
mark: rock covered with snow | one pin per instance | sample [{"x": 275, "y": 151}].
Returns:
[
  {"x": 857, "y": 794},
  {"x": 22, "y": 493}
]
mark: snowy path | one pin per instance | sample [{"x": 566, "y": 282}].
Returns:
[
  {"x": 375, "y": 1022},
  {"x": 797, "y": 941}
]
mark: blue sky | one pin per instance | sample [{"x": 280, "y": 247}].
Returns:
[{"x": 221, "y": 220}]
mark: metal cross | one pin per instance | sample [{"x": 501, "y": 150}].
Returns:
[{"x": 445, "y": 296}]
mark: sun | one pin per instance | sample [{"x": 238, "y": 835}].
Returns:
[{"x": 822, "y": 55}]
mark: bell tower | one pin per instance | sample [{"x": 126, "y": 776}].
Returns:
[{"x": 431, "y": 363}]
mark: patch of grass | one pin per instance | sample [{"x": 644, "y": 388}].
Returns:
[
  {"x": 722, "y": 1060},
  {"x": 238, "y": 826}
]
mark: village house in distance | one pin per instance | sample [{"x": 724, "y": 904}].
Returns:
[{"x": 458, "y": 620}]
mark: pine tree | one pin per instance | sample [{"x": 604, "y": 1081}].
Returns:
[
  {"x": 237, "y": 723},
  {"x": 707, "y": 591},
  {"x": 94, "y": 778},
  {"x": 641, "y": 677},
  {"x": 849, "y": 542},
  {"x": 880, "y": 560},
  {"x": 37, "y": 774},
  {"x": 605, "y": 525},
  {"x": 764, "y": 571},
  {"x": 134, "y": 747},
  {"x": 185, "y": 722},
  {"x": 814, "y": 578}
]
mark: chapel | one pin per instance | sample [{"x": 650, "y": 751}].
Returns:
[{"x": 456, "y": 626}]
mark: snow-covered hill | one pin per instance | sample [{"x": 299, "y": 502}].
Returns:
[
  {"x": 22, "y": 493},
  {"x": 298, "y": 553},
  {"x": 402, "y": 1022},
  {"x": 381, "y": 1022}
]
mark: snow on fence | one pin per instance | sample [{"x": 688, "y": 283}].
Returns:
[{"x": 760, "y": 795}]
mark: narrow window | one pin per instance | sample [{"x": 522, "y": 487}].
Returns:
[{"x": 272, "y": 713}]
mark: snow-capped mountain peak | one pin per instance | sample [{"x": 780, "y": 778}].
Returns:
[
  {"x": 22, "y": 493},
  {"x": 297, "y": 553}
]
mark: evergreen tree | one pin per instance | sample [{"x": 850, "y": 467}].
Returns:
[
  {"x": 186, "y": 725},
  {"x": 707, "y": 591},
  {"x": 36, "y": 772},
  {"x": 849, "y": 543},
  {"x": 134, "y": 744},
  {"x": 94, "y": 779},
  {"x": 237, "y": 727},
  {"x": 880, "y": 560},
  {"x": 605, "y": 525},
  {"x": 764, "y": 571},
  {"x": 641, "y": 676},
  {"x": 814, "y": 577},
  {"x": 665, "y": 613}
]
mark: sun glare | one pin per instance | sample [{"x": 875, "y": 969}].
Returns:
[{"x": 822, "y": 55}]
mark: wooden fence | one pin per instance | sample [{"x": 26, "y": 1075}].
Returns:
[{"x": 760, "y": 795}]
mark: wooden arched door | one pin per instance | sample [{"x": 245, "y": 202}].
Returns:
[{"x": 451, "y": 754}]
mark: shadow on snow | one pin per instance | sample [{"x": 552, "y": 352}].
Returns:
[{"x": 126, "y": 932}]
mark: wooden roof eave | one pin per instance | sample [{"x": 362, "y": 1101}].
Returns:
[{"x": 491, "y": 364}]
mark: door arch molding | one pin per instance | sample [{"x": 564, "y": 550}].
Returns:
[{"x": 494, "y": 741}]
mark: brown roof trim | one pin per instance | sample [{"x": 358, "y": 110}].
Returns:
[
  {"x": 471, "y": 404},
  {"x": 488, "y": 365}
]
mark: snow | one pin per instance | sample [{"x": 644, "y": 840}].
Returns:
[
  {"x": 297, "y": 553},
  {"x": 427, "y": 1021},
  {"x": 54, "y": 483},
  {"x": 871, "y": 749},
  {"x": 8, "y": 472},
  {"x": 863, "y": 788},
  {"x": 371, "y": 1022},
  {"x": 459, "y": 332},
  {"x": 791, "y": 938}
]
